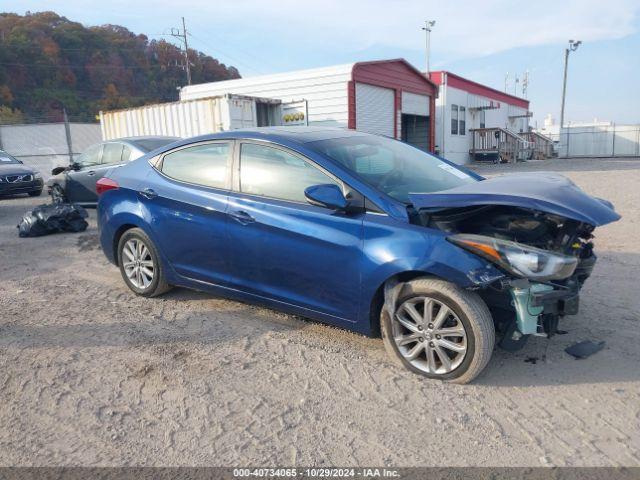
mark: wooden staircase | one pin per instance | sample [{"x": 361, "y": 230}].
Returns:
[
  {"x": 542, "y": 146},
  {"x": 499, "y": 145}
]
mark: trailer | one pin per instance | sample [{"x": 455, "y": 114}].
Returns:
[{"x": 190, "y": 118}]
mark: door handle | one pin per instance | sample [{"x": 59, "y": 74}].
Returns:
[
  {"x": 148, "y": 193},
  {"x": 242, "y": 217},
  {"x": 91, "y": 173}
]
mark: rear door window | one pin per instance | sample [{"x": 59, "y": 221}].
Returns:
[
  {"x": 206, "y": 165},
  {"x": 112, "y": 153},
  {"x": 126, "y": 153}
]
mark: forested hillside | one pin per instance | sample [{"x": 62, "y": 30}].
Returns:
[{"x": 48, "y": 62}]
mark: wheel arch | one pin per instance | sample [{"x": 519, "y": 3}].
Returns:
[
  {"x": 120, "y": 231},
  {"x": 377, "y": 301}
]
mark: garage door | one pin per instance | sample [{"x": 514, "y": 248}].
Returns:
[
  {"x": 415, "y": 104},
  {"x": 374, "y": 109}
]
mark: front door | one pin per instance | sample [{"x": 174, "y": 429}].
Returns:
[
  {"x": 81, "y": 183},
  {"x": 186, "y": 201},
  {"x": 282, "y": 247}
]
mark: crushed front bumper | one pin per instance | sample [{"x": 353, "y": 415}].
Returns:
[{"x": 536, "y": 303}]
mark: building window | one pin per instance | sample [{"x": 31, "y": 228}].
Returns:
[
  {"x": 482, "y": 119},
  {"x": 454, "y": 119},
  {"x": 463, "y": 121}
]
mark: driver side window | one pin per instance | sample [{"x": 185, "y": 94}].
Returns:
[
  {"x": 91, "y": 157},
  {"x": 275, "y": 173}
]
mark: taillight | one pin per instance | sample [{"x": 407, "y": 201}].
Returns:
[{"x": 105, "y": 184}]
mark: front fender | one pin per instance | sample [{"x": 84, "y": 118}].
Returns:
[{"x": 391, "y": 248}]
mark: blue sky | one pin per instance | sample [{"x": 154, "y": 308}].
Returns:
[{"x": 480, "y": 40}]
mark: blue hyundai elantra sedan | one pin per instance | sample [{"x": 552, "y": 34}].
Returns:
[{"x": 358, "y": 231}]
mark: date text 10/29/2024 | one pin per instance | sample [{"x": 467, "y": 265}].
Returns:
[{"x": 316, "y": 472}]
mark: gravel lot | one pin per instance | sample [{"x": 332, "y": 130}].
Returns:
[{"x": 92, "y": 375}]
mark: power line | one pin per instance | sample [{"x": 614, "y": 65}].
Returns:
[
  {"x": 86, "y": 66},
  {"x": 221, "y": 53}
]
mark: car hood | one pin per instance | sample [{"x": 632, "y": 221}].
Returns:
[
  {"x": 14, "y": 169},
  {"x": 546, "y": 192}
]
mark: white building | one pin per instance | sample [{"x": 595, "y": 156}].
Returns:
[
  {"x": 463, "y": 105},
  {"x": 386, "y": 97}
]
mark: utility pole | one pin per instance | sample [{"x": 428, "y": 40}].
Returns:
[
  {"x": 182, "y": 35},
  {"x": 573, "y": 46},
  {"x": 428, "y": 24},
  {"x": 525, "y": 83},
  {"x": 506, "y": 83}
]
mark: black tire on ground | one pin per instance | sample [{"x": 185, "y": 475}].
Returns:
[
  {"x": 35, "y": 193},
  {"x": 57, "y": 194},
  {"x": 158, "y": 284},
  {"x": 473, "y": 314}
]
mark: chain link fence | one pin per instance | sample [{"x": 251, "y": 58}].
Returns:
[
  {"x": 44, "y": 146},
  {"x": 599, "y": 141}
]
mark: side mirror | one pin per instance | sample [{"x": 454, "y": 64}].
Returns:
[
  {"x": 328, "y": 196},
  {"x": 75, "y": 166},
  {"x": 58, "y": 170}
]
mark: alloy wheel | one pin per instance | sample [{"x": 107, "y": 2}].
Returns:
[
  {"x": 57, "y": 195},
  {"x": 429, "y": 335},
  {"x": 138, "y": 263}
]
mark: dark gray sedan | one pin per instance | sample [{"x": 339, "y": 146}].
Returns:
[
  {"x": 15, "y": 177},
  {"x": 77, "y": 182}
]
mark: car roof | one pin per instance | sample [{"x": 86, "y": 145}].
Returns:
[
  {"x": 291, "y": 134},
  {"x": 142, "y": 137}
]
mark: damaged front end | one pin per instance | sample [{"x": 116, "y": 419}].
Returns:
[{"x": 546, "y": 255}]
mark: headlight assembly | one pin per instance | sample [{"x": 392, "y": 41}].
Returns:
[{"x": 517, "y": 259}]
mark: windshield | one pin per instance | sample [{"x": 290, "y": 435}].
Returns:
[
  {"x": 148, "y": 144},
  {"x": 391, "y": 166},
  {"x": 5, "y": 158}
]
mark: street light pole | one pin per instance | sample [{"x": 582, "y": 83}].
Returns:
[
  {"x": 573, "y": 46},
  {"x": 427, "y": 28}
]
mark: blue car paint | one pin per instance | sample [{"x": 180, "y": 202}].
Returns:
[
  {"x": 299, "y": 258},
  {"x": 546, "y": 192}
]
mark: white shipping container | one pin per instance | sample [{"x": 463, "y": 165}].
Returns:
[
  {"x": 324, "y": 89},
  {"x": 189, "y": 118}
]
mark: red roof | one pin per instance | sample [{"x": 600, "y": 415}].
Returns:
[{"x": 470, "y": 86}]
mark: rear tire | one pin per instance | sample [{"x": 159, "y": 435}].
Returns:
[
  {"x": 454, "y": 347},
  {"x": 140, "y": 264}
]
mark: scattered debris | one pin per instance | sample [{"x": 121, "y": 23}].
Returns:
[
  {"x": 584, "y": 349},
  {"x": 531, "y": 360}
]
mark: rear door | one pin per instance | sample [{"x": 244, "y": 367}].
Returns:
[
  {"x": 185, "y": 199},
  {"x": 283, "y": 248}
]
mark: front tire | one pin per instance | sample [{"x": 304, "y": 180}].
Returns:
[
  {"x": 439, "y": 331},
  {"x": 57, "y": 194},
  {"x": 140, "y": 264}
]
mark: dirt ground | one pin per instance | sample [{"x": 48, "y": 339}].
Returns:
[{"x": 92, "y": 375}]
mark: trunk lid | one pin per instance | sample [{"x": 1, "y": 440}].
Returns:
[{"x": 546, "y": 192}]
